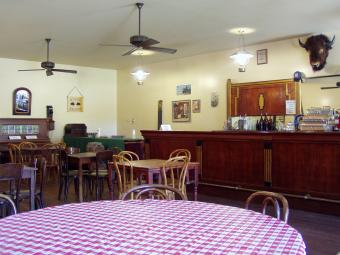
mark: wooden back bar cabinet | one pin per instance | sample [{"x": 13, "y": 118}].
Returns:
[{"x": 302, "y": 164}]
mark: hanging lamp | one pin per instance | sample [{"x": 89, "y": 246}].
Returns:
[{"x": 242, "y": 56}]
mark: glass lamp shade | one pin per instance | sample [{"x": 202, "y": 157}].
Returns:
[
  {"x": 140, "y": 76},
  {"x": 242, "y": 57}
]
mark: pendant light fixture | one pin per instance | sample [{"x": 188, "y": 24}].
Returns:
[
  {"x": 241, "y": 57},
  {"x": 140, "y": 75}
]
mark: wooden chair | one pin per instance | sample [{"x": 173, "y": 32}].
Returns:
[
  {"x": 123, "y": 169},
  {"x": 51, "y": 152},
  {"x": 68, "y": 171},
  {"x": 274, "y": 198},
  {"x": 174, "y": 165},
  {"x": 12, "y": 172},
  {"x": 130, "y": 155},
  {"x": 7, "y": 206},
  {"x": 27, "y": 145},
  {"x": 155, "y": 191},
  {"x": 14, "y": 153},
  {"x": 182, "y": 152},
  {"x": 101, "y": 172}
]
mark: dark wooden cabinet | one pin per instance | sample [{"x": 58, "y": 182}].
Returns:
[
  {"x": 306, "y": 164},
  {"x": 256, "y": 98}
]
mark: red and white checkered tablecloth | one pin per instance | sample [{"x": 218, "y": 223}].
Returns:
[{"x": 147, "y": 227}]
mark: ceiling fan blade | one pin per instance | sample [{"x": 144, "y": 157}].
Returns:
[
  {"x": 130, "y": 51},
  {"x": 330, "y": 87},
  {"x": 117, "y": 45},
  {"x": 64, "y": 70},
  {"x": 149, "y": 42},
  {"x": 31, "y": 70},
  {"x": 164, "y": 50}
]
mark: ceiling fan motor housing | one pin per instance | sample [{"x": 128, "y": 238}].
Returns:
[
  {"x": 138, "y": 40},
  {"x": 47, "y": 65}
]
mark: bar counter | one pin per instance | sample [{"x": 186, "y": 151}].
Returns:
[{"x": 302, "y": 164}]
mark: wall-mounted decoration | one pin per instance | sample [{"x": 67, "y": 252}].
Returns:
[
  {"x": 75, "y": 102},
  {"x": 22, "y": 98},
  {"x": 214, "y": 99},
  {"x": 181, "y": 111},
  {"x": 196, "y": 106},
  {"x": 262, "y": 56},
  {"x": 184, "y": 89}
]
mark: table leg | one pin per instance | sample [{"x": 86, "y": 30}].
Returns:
[
  {"x": 32, "y": 188},
  {"x": 110, "y": 174},
  {"x": 80, "y": 177}
]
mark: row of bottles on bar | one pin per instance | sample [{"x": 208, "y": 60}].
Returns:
[{"x": 266, "y": 123}]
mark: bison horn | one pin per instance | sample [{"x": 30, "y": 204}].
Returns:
[
  {"x": 302, "y": 44},
  {"x": 330, "y": 44}
]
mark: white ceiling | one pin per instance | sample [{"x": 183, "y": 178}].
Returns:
[{"x": 77, "y": 27}]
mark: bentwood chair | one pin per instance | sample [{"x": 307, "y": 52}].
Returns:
[
  {"x": 182, "y": 152},
  {"x": 27, "y": 145},
  {"x": 124, "y": 173},
  {"x": 154, "y": 191},
  {"x": 14, "y": 153},
  {"x": 174, "y": 165},
  {"x": 273, "y": 198},
  {"x": 51, "y": 152},
  {"x": 12, "y": 172},
  {"x": 27, "y": 153},
  {"x": 130, "y": 155},
  {"x": 7, "y": 206}
]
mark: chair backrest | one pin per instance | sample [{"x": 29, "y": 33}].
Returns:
[
  {"x": 124, "y": 173},
  {"x": 154, "y": 191},
  {"x": 178, "y": 165},
  {"x": 103, "y": 158},
  {"x": 62, "y": 145},
  {"x": 180, "y": 152},
  {"x": 14, "y": 153},
  {"x": 130, "y": 155},
  {"x": 51, "y": 152},
  {"x": 41, "y": 164},
  {"x": 274, "y": 198},
  {"x": 27, "y": 145},
  {"x": 12, "y": 172},
  {"x": 7, "y": 206}
]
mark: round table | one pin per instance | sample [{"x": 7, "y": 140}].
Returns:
[{"x": 147, "y": 227}]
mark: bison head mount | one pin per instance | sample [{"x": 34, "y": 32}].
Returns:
[{"x": 317, "y": 47}]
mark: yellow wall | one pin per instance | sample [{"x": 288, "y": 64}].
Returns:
[
  {"x": 98, "y": 87},
  {"x": 137, "y": 105}
]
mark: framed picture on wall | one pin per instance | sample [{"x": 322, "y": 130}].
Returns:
[
  {"x": 22, "y": 98},
  {"x": 196, "y": 106},
  {"x": 181, "y": 111},
  {"x": 262, "y": 56}
]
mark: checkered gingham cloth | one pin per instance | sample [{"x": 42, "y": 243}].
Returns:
[{"x": 146, "y": 227}]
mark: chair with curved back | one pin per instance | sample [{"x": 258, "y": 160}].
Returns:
[
  {"x": 182, "y": 152},
  {"x": 12, "y": 172},
  {"x": 154, "y": 191},
  {"x": 274, "y": 198},
  {"x": 27, "y": 145},
  {"x": 14, "y": 153},
  {"x": 7, "y": 206},
  {"x": 51, "y": 152},
  {"x": 130, "y": 155},
  {"x": 123, "y": 169},
  {"x": 174, "y": 165},
  {"x": 27, "y": 153}
]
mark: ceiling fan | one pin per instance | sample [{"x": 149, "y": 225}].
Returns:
[
  {"x": 49, "y": 65},
  {"x": 142, "y": 42},
  {"x": 336, "y": 87}
]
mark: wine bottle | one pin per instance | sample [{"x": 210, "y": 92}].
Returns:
[
  {"x": 270, "y": 123},
  {"x": 265, "y": 123},
  {"x": 261, "y": 123}
]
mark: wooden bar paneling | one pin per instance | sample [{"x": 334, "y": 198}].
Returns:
[{"x": 300, "y": 163}]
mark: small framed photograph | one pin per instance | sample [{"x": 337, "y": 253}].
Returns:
[
  {"x": 181, "y": 111},
  {"x": 22, "y": 101},
  {"x": 262, "y": 56},
  {"x": 196, "y": 106},
  {"x": 184, "y": 89}
]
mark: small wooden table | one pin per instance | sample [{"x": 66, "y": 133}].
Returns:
[
  {"x": 149, "y": 167},
  {"x": 83, "y": 158},
  {"x": 30, "y": 173}
]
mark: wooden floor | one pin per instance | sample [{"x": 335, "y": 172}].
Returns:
[{"x": 321, "y": 232}]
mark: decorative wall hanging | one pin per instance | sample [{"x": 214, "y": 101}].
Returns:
[
  {"x": 75, "y": 102},
  {"x": 22, "y": 98},
  {"x": 184, "y": 89},
  {"x": 214, "y": 99},
  {"x": 181, "y": 111},
  {"x": 262, "y": 56},
  {"x": 196, "y": 106}
]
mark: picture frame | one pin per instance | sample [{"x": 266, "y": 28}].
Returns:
[
  {"x": 262, "y": 56},
  {"x": 75, "y": 104},
  {"x": 22, "y": 101},
  {"x": 183, "y": 89},
  {"x": 196, "y": 106},
  {"x": 181, "y": 111}
]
